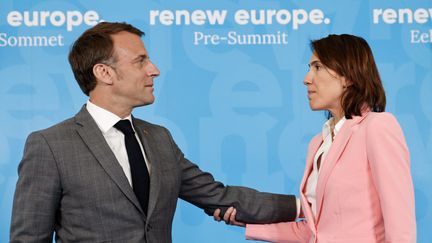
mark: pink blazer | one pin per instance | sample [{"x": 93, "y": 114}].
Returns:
[{"x": 364, "y": 192}]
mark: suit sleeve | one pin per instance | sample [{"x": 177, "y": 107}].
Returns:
[
  {"x": 200, "y": 189},
  {"x": 389, "y": 161},
  {"x": 37, "y": 193},
  {"x": 286, "y": 232}
]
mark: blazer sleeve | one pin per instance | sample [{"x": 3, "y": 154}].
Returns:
[
  {"x": 37, "y": 193},
  {"x": 286, "y": 232},
  {"x": 389, "y": 161},
  {"x": 201, "y": 189}
]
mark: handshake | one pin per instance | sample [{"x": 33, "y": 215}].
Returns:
[{"x": 229, "y": 217}]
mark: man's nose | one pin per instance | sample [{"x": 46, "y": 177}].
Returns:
[{"x": 153, "y": 70}]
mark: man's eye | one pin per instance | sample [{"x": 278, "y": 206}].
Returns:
[
  {"x": 141, "y": 62},
  {"x": 317, "y": 67}
]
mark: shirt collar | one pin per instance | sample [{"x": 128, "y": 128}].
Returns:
[
  {"x": 339, "y": 125},
  {"x": 104, "y": 118},
  {"x": 326, "y": 130}
]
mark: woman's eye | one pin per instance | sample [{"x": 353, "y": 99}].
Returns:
[{"x": 315, "y": 66}]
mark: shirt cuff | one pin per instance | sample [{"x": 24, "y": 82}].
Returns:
[{"x": 298, "y": 204}]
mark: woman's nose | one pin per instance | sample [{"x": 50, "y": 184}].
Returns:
[{"x": 307, "y": 79}]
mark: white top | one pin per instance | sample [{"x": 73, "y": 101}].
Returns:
[
  {"x": 115, "y": 138},
  {"x": 311, "y": 183}
]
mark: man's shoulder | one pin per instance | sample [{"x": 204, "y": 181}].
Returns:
[{"x": 58, "y": 128}]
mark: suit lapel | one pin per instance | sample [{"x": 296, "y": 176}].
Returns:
[
  {"x": 315, "y": 144},
  {"x": 148, "y": 143},
  {"x": 333, "y": 156},
  {"x": 93, "y": 138}
]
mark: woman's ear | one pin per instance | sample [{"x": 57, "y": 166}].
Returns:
[
  {"x": 103, "y": 73},
  {"x": 345, "y": 82}
]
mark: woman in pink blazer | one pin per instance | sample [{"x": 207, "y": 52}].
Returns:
[{"x": 357, "y": 186}]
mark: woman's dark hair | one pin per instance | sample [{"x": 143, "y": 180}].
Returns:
[{"x": 351, "y": 57}]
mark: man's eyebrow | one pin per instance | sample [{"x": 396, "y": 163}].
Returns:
[{"x": 140, "y": 57}]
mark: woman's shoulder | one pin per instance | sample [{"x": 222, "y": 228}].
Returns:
[
  {"x": 380, "y": 118},
  {"x": 382, "y": 122}
]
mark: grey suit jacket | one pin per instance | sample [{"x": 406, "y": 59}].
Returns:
[{"x": 70, "y": 183}]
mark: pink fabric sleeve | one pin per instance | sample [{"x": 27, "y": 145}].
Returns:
[
  {"x": 286, "y": 232},
  {"x": 389, "y": 161}
]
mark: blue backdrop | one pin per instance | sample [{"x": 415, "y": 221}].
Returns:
[{"x": 230, "y": 88}]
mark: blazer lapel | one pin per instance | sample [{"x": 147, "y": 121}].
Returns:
[
  {"x": 315, "y": 144},
  {"x": 93, "y": 138},
  {"x": 333, "y": 156},
  {"x": 155, "y": 176}
]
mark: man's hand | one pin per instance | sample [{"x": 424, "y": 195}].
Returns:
[{"x": 229, "y": 217}]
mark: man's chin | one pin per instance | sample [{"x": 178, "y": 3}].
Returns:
[{"x": 146, "y": 102}]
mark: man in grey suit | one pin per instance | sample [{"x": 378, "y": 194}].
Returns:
[{"x": 77, "y": 178}]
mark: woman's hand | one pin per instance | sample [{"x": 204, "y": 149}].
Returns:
[{"x": 229, "y": 217}]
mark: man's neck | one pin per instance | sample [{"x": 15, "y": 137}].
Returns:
[{"x": 118, "y": 110}]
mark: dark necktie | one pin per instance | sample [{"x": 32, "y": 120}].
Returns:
[{"x": 139, "y": 172}]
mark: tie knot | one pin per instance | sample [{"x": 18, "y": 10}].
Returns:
[{"x": 125, "y": 127}]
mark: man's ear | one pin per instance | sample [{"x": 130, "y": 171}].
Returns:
[{"x": 103, "y": 73}]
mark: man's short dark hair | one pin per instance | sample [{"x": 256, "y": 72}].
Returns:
[{"x": 95, "y": 46}]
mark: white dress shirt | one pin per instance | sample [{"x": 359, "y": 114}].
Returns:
[
  {"x": 115, "y": 138},
  {"x": 311, "y": 183}
]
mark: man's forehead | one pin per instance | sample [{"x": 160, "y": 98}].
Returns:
[{"x": 126, "y": 43}]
